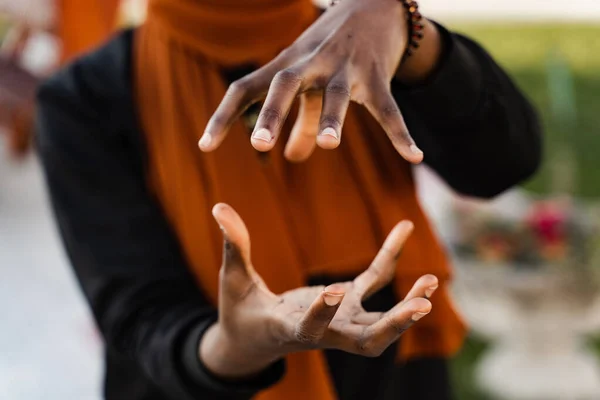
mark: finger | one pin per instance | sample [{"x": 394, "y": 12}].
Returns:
[
  {"x": 239, "y": 96},
  {"x": 378, "y": 336},
  {"x": 384, "y": 108},
  {"x": 336, "y": 100},
  {"x": 367, "y": 318},
  {"x": 283, "y": 91},
  {"x": 302, "y": 139},
  {"x": 311, "y": 328},
  {"x": 383, "y": 267},
  {"x": 424, "y": 287}
]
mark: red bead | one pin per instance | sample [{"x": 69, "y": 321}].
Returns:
[
  {"x": 417, "y": 35},
  {"x": 416, "y": 16},
  {"x": 411, "y": 5},
  {"x": 417, "y": 27}
]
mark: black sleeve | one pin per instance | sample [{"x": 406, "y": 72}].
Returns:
[
  {"x": 125, "y": 255},
  {"x": 477, "y": 130}
]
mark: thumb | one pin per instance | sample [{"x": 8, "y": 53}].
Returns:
[
  {"x": 314, "y": 323},
  {"x": 237, "y": 274},
  {"x": 237, "y": 270},
  {"x": 235, "y": 234}
]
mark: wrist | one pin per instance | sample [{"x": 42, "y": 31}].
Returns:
[
  {"x": 421, "y": 64},
  {"x": 229, "y": 360}
]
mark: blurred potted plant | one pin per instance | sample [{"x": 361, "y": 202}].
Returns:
[{"x": 531, "y": 286}]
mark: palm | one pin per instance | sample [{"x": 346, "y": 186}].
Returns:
[{"x": 315, "y": 316}]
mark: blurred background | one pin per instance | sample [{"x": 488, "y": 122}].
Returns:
[{"x": 527, "y": 259}]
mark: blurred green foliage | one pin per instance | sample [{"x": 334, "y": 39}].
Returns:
[{"x": 523, "y": 50}]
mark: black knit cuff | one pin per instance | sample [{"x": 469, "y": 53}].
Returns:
[
  {"x": 198, "y": 372},
  {"x": 454, "y": 88}
]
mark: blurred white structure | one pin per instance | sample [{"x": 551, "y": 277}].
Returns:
[
  {"x": 501, "y": 10},
  {"x": 524, "y": 10},
  {"x": 537, "y": 323}
]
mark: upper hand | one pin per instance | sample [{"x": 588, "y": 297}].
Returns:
[
  {"x": 256, "y": 326},
  {"x": 350, "y": 53}
]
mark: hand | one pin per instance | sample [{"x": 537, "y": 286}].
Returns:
[
  {"x": 350, "y": 53},
  {"x": 257, "y": 327}
]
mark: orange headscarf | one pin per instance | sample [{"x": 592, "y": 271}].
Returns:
[
  {"x": 328, "y": 215},
  {"x": 84, "y": 24}
]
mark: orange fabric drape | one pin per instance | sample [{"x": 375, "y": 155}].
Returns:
[
  {"x": 328, "y": 215},
  {"x": 84, "y": 24}
]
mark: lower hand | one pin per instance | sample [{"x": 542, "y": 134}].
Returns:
[{"x": 256, "y": 327}]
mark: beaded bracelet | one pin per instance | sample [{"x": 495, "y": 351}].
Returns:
[{"x": 415, "y": 26}]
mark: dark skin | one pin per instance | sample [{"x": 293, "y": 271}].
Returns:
[
  {"x": 349, "y": 54},
  {"x": 256, "y": 327}
]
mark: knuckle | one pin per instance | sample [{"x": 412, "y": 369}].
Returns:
[
  {"x": 270, "y": 115},
  {"x": 238, "y": 88},
  {"x": 245, "y": 292},
  {"x": 379, "y": 273},
  {"x": 338, "y": 88},
  {"x": 397, "y": 327},
  {"x": 368, "y": 349},
  {"x": 288, "y": 77},
  {"x": 218, "y": 120},
  {"x": 390, "y": 111},
  {"x": 306, "y": 338},
  {"x": 331, "y": 120}
]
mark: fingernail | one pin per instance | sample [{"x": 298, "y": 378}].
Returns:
[
  {"x": 205, "y": 140},
  {"x": 330, "y": 132},
  {"x": 262, "y": 134},
  {"x": 430, "y": 291},
  {"x": 418, "y": 315},
  {"x": 333, "y": 299},
  {"x": 415, "y": 149}
]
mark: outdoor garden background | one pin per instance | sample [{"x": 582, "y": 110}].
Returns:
[{"x": 48, "y": 345}]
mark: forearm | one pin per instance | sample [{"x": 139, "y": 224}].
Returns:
[
  {"x": 424, "y": 61},
  {"x": 221, "y": 357}
]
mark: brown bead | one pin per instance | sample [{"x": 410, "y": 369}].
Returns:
[
  {"x": 417, "y": 35},
  {"x": 409, "y": 52},
  {"x": 415, "y": 45},
  {"x": 416, "y": 16}
]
